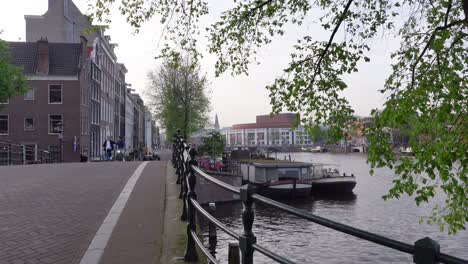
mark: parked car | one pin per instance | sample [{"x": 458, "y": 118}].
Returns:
[{"x": 209, "y": 163}]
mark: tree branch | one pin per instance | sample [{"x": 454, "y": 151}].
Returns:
[
  {"x": 428, "y": 44},
  {"x": 448, "y": 12},
  {"x": 330, "y": 41},
  {"x": 259, "y": 6},
  {"x": 465, "y": 9}
]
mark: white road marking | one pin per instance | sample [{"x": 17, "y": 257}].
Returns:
[{"x": 98, "y": 244}]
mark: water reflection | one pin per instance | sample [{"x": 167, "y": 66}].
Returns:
[{"x": 306, "y": 242}]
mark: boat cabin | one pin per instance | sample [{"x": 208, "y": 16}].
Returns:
[
  {"x": 261, "y": 171},
  {"x": 321, "y": 170}
]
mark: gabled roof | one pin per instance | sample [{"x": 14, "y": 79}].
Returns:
[{"x": 64, "y": 58}]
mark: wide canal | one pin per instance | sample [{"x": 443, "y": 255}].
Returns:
[{"x": 306, "y": 242}]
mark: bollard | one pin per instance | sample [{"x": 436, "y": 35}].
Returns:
[
  {"x": 426, "y": 251},
  {"x": 247, "y": 239},
  {"x": 233, "y": 254},
  {"x": 190, "y": 251}
]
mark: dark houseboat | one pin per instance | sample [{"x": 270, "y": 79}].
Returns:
[{"x": 277, "y": 178}]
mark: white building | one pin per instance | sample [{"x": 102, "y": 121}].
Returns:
[
  {"x": 148, "y": 130},
  {"x": 129, "y": 123},
  {"x": 277, "y": 130}
]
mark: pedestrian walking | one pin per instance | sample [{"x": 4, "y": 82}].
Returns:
[{"x": 108, "y": 148}]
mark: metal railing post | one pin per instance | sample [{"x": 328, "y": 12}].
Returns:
[
  {"x": 184, "y": 189},
  {"x": 247, "y": 239},
  {"x": 191, "y": 252},
  {"x": 182, "y": 168},
  {"x": 426, "y": 251},
  {"x": 212, "y": 236}
]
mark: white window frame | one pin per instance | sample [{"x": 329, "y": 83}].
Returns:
[
  {"x": 61, "y": 93},
  {"x": 48, "y": 125},
  {"x": 8, "y": 124},
  {"x": 5, "y": 102},
  {"x": 34, "y": 124},
  {"x": 33, "y": 95}
]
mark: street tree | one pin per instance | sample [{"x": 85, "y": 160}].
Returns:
[
  {"x": 212, "y": 144},
  {"x": 178, "y": 97},
  {"x": 427, "y": 85},
  {"x": 12, "y": 79}
]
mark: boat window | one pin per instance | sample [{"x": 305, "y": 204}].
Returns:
[
  {"x": 288, "y": 174},
  {"x": 271, "y": 174},
  {"x": 260, "y": 174},
  {"x": 275, "y": 174}
]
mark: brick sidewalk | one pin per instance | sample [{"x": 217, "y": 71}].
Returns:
[
  {"x": 49, "y": 213},
  {"x": 137, "y": 237}
]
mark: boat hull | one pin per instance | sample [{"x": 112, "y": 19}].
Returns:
[
  {"x": 334, "y": 184},
  {"x": 286, "y": 190}
]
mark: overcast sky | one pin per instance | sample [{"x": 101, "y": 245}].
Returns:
[{"x": 235, "y": 99}]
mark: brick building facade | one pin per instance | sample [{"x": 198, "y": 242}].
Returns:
[{"x": 53, "y": 115}]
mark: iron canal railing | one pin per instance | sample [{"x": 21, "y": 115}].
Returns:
[{"x": 424, "y": 251}]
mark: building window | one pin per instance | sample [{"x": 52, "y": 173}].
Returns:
[
  {"x": 4, "y": 101},
  {"x": 3, "y": 124},
  {"x": 55, "y": 94},
  {"x": 29, "y": 95},
  {"x": 55, "y": 124},
  {"x": 29, "y": 124}
]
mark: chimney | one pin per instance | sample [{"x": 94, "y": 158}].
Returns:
[{"x": 43, "y": 57}]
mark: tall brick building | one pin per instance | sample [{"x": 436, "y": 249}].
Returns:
[
  {"x": 64, "y": 23},
  {"x": 78, "y": 88},
  {"x": 54, "y": 114}
]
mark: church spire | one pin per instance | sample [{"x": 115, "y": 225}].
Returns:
[{"x": 216, "y": 124}]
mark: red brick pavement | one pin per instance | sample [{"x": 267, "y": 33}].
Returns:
[{"x": 49, "y": 213}]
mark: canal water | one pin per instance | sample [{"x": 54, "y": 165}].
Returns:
[{"x": 306, "y": 242}]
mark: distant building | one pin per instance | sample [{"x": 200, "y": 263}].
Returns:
[
  {"x": 196, "y": 137},
  {"x": 55, "y": 114},
  {"x": 156, "y": 134},
  {"x": 129, "y": 123},
  {"x": 277, "y": 130},
  {"x": 148, "y": 130},
  {"x": 139, "y": 121},
  {"x": 216, "y": 124}
]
